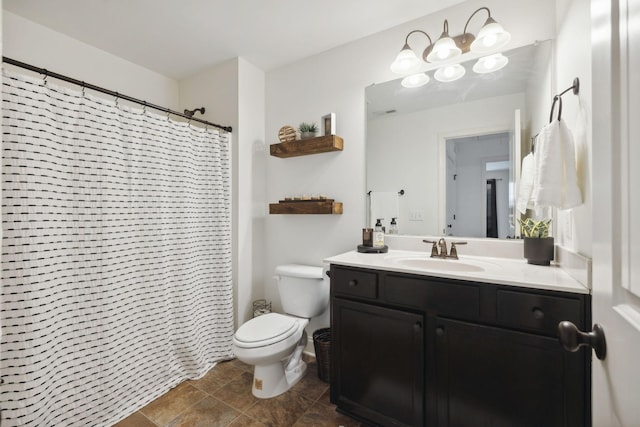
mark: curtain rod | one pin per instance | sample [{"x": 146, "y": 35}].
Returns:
[{"x": 108, "y": 92}]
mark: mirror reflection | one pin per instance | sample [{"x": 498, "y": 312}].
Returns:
[{"x": 454, "y": 149}]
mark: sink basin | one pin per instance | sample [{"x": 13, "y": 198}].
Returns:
[{"x": 439, "y": 264}]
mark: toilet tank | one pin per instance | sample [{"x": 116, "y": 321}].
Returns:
[{"x": 303, "y": 289}]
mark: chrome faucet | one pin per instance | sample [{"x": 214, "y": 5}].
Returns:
[{"x": 443, "y": 253}]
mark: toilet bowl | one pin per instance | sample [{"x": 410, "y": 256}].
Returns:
[{"x": 273, "y": 343}]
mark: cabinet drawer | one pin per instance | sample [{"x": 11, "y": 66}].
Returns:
[
  {"x": 444, "y": 297},
  {"x": 535, "y": 312},
  {"x": 353, "y": 282}
]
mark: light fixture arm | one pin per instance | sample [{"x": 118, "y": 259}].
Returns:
[
  {"x": 464, "y": 32},
  {"x": 406, "y": 40}
]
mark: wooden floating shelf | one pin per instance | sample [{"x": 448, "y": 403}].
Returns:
[
  {"x": 303, "y": 147},
  {"x": 306, "y": 207}
]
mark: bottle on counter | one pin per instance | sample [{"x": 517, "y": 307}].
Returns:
[
  {"x": 393, "y": 227},
  {"x": 378, "y": 234}
]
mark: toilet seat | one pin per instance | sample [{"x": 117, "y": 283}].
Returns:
[{"x": 265, "y": 330}]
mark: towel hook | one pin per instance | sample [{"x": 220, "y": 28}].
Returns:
[{"x": 553, "y": 106}]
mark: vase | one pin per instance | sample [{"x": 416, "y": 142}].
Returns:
[
  {"x": 539, "y": 250},
  {"x": 307, "y": 135}
]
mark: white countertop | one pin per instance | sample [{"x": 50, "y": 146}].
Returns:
[{"x": 502, "y": 271}]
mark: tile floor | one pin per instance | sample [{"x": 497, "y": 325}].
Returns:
[{"x": 223, "y": 398}]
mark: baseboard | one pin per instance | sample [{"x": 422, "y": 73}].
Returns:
[{"x": 309, "y": 350}]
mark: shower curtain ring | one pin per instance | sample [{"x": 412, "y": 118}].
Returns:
[
  {"x": 83, "y": 89},
  {"x": 46, "y": 74}
]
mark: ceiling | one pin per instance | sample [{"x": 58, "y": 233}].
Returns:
[{"x": 178, "y": 38}]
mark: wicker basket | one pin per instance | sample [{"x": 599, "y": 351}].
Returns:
[{"x": 322, "y": 346}]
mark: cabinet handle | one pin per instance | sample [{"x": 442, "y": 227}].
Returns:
[
  {"x": 572, "y": 339},
  {"x": 537, "y": 313},
  {"x": 353, "y": 283},
  {"x": 439, "y": 331}
]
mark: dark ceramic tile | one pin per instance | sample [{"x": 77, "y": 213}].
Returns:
[
  {"x": 321, "y": 415},
  {"x": 326, "y": 397},
  {"x": 310, "y": 385},
  {"x": 280, "y": 411},
  {"x": 244, "y": 421},
  {"x": 168, "y": 406},
  {"x": 135, "y": 420},
  {"x": 217, "y": 377},
  {"x": 238, "y": 393},
  {"x": 209, "y": 412},
  {"x": 242, "y": 365}
]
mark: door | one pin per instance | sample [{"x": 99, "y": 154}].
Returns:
[
  {"x": 616, "y": 204},
  {"x": 452, "y": 192}
]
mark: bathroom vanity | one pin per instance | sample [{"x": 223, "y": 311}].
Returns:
[{"x": 423, "y": 342}]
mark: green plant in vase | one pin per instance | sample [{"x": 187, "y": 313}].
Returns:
[
  {"x": 308, "y": 130},
  {"x": 538, "y": 246}
]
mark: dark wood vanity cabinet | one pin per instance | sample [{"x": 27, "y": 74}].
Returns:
[{"x": 412, "y": 350}]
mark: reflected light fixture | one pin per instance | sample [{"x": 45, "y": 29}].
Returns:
[
  {"x": 415, "y": 80},
  {"x": 491, "y": 63},
  {"x": 449, "y": 73},
  {"x": 491, "y": 37}
]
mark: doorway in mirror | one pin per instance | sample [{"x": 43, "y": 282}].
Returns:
[{"x": 478, "y": 171}]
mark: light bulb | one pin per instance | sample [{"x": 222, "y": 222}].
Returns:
[
  {"x": 415, "y": 80},
  {"x": 405, "y": 62},
  {"x": 489, "y": 40},
  {"x": 449, "y": 73},
  {"x": 491, "y": 63}
]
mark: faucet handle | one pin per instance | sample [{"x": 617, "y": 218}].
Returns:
[
  {"x": 454, "y": 251},
  {"x": 434, "y": 247}
]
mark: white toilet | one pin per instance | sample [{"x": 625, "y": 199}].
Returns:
[{"x": 274, "y": 342}]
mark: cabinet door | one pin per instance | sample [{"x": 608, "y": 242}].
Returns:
[
  {"x": 378, "y": 363},
  {"x": 486, "y": 376}
]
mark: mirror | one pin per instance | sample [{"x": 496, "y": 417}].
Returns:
[{"x": 451, "y": 146}]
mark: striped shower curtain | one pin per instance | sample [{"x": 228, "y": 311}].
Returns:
[{"x": 116, "y": 255}]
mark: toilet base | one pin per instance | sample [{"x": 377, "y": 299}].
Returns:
[{"x": 273, "y": 380}]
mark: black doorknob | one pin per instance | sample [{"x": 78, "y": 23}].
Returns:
[{"x": 572, "y": 339}]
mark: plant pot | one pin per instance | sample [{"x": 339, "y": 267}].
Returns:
[
  {"x": 307, "y": 135},
  {"x": 538, "y": 250}
]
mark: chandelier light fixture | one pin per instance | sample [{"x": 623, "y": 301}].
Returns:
[{"x": 490, "y": 39}]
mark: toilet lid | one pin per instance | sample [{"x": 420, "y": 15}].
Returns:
[{"x": 265, "y": 330}]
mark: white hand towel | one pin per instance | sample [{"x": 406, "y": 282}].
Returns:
[
  {"x": 383, "y": 204},
  {"x": 556, "y": 182},
  {"x": 525, "y": 189}
]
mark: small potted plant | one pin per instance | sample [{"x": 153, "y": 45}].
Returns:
[
  {"x": 308, "y": 130},
  {"x": 538, "y": 246}
]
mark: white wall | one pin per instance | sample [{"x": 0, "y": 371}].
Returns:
[
  {"x": 334, "y": 81},
  {"x": 233, "y": 94},
  {"x": 37, "y": 45},
  {"x": 251, "y": 189},
  {"x": 573, "y": 59}
]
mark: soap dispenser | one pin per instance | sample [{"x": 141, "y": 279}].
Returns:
[
  {"x": 378, "y": 234},
  {"x": 393, "y": 227}
]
